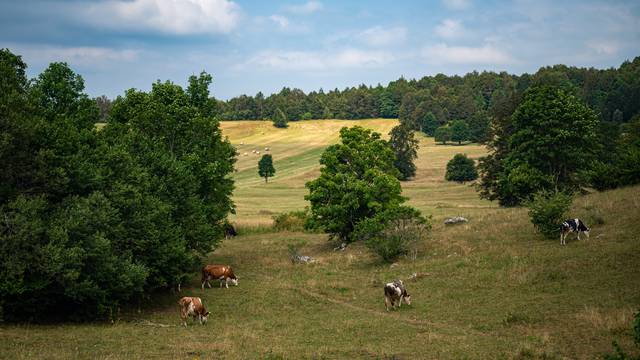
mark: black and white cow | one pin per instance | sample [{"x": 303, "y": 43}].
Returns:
[
  {"x": 395, "y": 292},
  {"x": 572, "y": 225}
]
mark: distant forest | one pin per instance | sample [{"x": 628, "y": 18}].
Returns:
[{"x": 614, "y": 94}]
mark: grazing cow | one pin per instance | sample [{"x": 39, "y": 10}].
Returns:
[
  {"x": 220, "y": 272},
  {"x": 571, "y": 225},
  {"x": 192, "y": 306},
  {"x": 395, "y": 292},
  {"x": 229, "y": 230}
]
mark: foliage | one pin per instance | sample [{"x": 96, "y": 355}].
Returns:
[
  {"x": 547, "y": 210},
  {"x": 265, "y": 167},
  {"x": 290, "y": 221},
  {"x": 428, "y": 124},
  {"x": 393, "y": 232},
  {"x": 459, "y": 131},
  {"x": 443, "y": 134},
  {"x": 479, "y": 127},
  {"x": 280, "y": 119},
  {"x": 460, "y": 168},
  {"x": 552, "y": 146},
  {"x": 405, "y": 146},
  {"x": 357, "y": 180},
  {"x": 91, "y": 220}
]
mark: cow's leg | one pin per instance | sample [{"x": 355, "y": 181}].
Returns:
[
  {"x": 400, "y": 301},
  {"x": 386, "y": 303},
  {"x": 183, "y": 316},
  {"x": 226, "y": 283}
]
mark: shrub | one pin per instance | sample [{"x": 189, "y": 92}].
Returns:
[
  {"x": 442, "y": 134},
  {"x": 291, "y": 221},
  {"x": 461, "y": 169},
  {"x": 394, "y": 232},
  {"x": 547, "y": 210},
  {"x": 280, "y": 119}
]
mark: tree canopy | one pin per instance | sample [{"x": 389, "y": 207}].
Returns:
[
  {"x": 90, "y": 220},
  {"x": 552, "y": 146},
  {"x": 357, "y": 180}
]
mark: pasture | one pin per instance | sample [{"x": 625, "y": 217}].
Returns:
[{"x": 490, "y": 288}]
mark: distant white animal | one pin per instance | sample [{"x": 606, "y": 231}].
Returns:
[
  {"x": 266, "y": 149},
  {"x": 245, "y": 154},
  {"x": 258, "y": 152}
]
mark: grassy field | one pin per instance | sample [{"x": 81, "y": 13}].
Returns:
[
  {"x": 296, "y": 152},
  {"x": 490, "y": 288}
]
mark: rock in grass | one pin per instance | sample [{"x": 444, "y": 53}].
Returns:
[
  {"x": 455, "y": 220},
  {"x": 302, "y": 259}
]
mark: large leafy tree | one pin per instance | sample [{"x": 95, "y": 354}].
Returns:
[
  {"x": 459, "y": 131},
  {"x": 357, "y": 180},
  {"x": 90, "y": 220},
  {"x": 552, "y": 146},
  {"x": 405, "y": 146}
]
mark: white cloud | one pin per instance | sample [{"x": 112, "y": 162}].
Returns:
[
  {"x": 282, "y": 21},
  {"x": 379, "y": 36},
  {"x": 306, "y": 8},
  {"x": 457, "y": 4},
  {"x": 46, "y": 54},
  {"x": 180, "y": 17},
  {"x": 317, "y": 60},
  {"x": 486, "y": 54},
  {"x": 450, "y": 29}
]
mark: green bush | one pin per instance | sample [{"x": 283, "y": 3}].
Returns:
[
  {"x": 547, "y": 210},
  {"x": 461, "y": 169},
  {"x": 394, "y": 232},
  {"x": 280, "y": 119},
  {"x": 290, "y": 221}
]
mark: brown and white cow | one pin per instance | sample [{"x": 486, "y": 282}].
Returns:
[
  {"x": 220, "y": 272},
  {"x": 395, "y": 292},
  {"x": 192, "y": 306}
]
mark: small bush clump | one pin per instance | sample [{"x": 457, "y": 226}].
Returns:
[
  {"x": 394, "y": 232},
  {"x": 290, "y": 221},
  {"x": 547, "y": 210},
  {"x": 460, "y": 168}
]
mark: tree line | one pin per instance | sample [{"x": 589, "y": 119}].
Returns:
[
  {"x": 434, "y": 101},
  {"x": 91, "y": 219}
]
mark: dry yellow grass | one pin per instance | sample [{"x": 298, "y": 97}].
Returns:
[{"x": 297, "y": 150}]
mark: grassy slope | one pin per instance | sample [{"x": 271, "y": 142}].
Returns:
[
  {"x": 490, "y": 289},
  {"x": 296, "y": 152}
]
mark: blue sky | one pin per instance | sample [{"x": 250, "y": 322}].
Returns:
[{"x": 251, "y": 46}]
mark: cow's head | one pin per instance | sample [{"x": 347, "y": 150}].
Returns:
[
  {"x": 586, "y": 232},
  {"x": 407, "y": 299},
  {"x": 204, "y": 317},
  {"x": 234, "y": 281}
]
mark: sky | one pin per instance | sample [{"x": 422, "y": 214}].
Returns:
[{"x": 250, "y": 46}]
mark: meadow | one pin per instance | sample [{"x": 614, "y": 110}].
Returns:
[{"x": 490, "y": 288}]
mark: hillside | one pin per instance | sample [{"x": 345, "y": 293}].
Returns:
[
  {"x": 491, "y": 288},
  {"x": 296, "y": 152}
]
